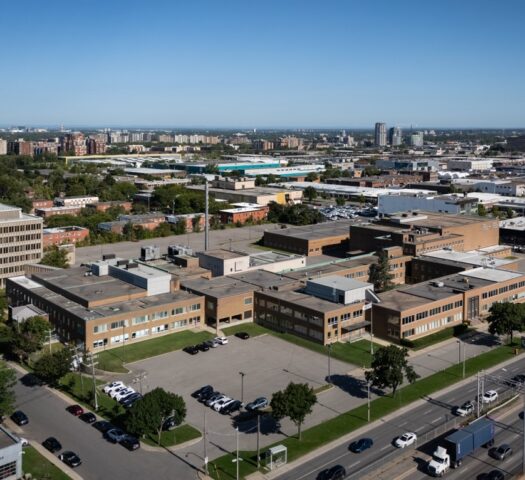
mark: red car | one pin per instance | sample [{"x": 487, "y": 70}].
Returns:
[{"x": 76, "y": 410}]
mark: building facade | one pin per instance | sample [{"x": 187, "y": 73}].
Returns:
[
  {"x": 380, "y": 135},
  {"x": 60, "y": 235}
]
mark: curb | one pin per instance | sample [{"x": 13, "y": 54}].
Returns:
[
  {"x": 355, "y": 433},
  {"x": 56, "y": 462},
  {"x": 174, "y": 448}
]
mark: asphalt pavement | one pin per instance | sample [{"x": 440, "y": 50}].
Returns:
[
  {"x": 101, "y": 460},
  {"x": 434, "y": 412}
]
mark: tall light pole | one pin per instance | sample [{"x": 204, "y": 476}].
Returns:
[
  {"x": 205, "y": 444},
  {"x": 371, "y": 330},
  {"x": 368, "y": 393},
  {"x": 329, "y": 347},
  {"x": 464, "y": 357},
  {"x": 237, "y": 460},
  {"x": 242, "y": 374}
]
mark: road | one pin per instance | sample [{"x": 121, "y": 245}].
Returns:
[
  {"x": 240, "y": 238},
  {"x": 100, "y": 459},
  {"x": 434, "y": 412}
]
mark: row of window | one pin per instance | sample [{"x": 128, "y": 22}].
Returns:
[
  {"x": 434, "y": 324},
  {"x": 431, "y": 312},
  {"x": 21, "y": 228},
  {"x": 147, "y": 331}
]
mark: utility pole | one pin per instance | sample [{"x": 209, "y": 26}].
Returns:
[
  {"x": 242, "y": 374},
  {"x": 50, "y": 333},
  {"x": 93, "y": 363},
  {"x": 237, "y": 460},
  {"x": 464, "y": 357},
  {"x": 259, "y": 432},
  {"x": 477, "y": 398},
  {"x": 368, "y": 393},
  {"x": 206, "y": 217},
  {"x": 329, "y": 347},
  {"x": 205, "y": 445},
  {"x": 523, "y": 459},
  {"x": 371, "y": 331},
  {"x": 139, "y": 379}
]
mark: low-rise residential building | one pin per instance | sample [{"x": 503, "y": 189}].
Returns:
[
  {"x": 78, "y": 201},
  {"x": 40, "y": 204},
  {"x": 191, "y": 221},
  {"x": 111, "y": 303},
  {"x": 54, "y": 211},
  {"x": 244, "y": 212},
  {"x": 105, "y": 206},
  {"x": 232, "y": 183},
  {"x": 60, "y": 235}
]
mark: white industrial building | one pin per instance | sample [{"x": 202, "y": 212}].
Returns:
[
  {"x": 403, "y": 202},
  {"x": 470, "y": 164}
]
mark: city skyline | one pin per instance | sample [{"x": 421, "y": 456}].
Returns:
[{"x": 160, "y": 65}]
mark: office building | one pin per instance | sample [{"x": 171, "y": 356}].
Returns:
[
  {"x": 112, "y": 302},
  {"x": 20, "y": 241},
  {"x": 405, "y": 202},
  {"x": 380, "y": 135},
  {"x": 3, "y": 146},
  {"x": 244, "y": 212},
  {"x": 395, "y": 136},
  {"x": 416, "y": 139}
]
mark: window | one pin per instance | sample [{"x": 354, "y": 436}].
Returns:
[
  {"x": 8, "y": 470},
  {"x": 179, "y": 324},
  {"x": 357, "y": 313},
  {"x": 408, "y": 319},
  {"x": 345, "y": 316},
  {"x": 195, "y": 306},
  {"x": 435, "y": 311},
  {"x": 421, "y": 315},
  {"x": 158, "y": 315},
  {"x": 332, "y": 321},
  {"x": 458, "y": 304},
  {"x": 248, "y": 301},
  {"x": 408, "y": 333},
  {"x": 100, "y": 328},
  {"x": 247, "y": 314},
  {"x": 119, "y": 324},
  {"x": 139, "y": 320},
  {"x": 178, "y": 311},
  {"x": 448, "y": 307}
]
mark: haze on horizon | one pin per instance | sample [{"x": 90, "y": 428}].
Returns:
[{"x": 294, "y": 64}]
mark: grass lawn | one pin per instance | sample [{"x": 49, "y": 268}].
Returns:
[
  {"x": 40, "y": 467},
  {"x": 357, "y": 353},
  {"x": 222, "y": 468},
  {"x": 113, "y": 360},
  {"x": 179, "y": 435}
]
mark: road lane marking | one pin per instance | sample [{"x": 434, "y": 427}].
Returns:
[
  {"x": 436, "y": 420},
  {"x": 428, "y": 411},
  {"x": 404, "y": 423},
  {"x": 354, "y": 464},
  {"x": 420, "y": 428},
  {"x": 385, "y": 447}
]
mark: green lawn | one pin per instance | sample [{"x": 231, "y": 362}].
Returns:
[
  {"x": 40, "y": 467},
  {"x": 357, "y": 353},
  {"x": 179, "y": 435},
  {"x": 222, "y": 468},
  {"x": 113, "y": 360}
]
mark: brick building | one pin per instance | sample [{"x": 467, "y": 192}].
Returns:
[
  {"x": 53, "y": 211},
  {"x": 244, "y": 212},
  {"x": 60, "y": 235}
]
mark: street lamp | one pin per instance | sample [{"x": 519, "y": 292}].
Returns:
[
  {"x": 242, "y": 374},
  {"x": 329, "y": 347},
  {"x": 371, "y": 330}
]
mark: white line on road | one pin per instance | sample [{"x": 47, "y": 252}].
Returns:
[
  {"x": 428, "y": 411},
  {"x": 404, "y": 423},
  {"x": 419, "y": 429},
  {"x": 354, "y": 464},
  {"x": 385, "y": 447},
  {"x": 436, "y": 420}
]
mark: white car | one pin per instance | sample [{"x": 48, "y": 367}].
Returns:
[
  {"x": 218, "y": 399},
  {"x": 212, "y": 343},
  {"x": 112, "y": 385},
  {"x": 113, "y": 393},
  {"x": 124, "y": 393},
  {"x": 489, "y": 396},
  {"x": 221, "y": 340},
  {"x": 405, "y": 440},
  {"x": 222, "y": 403}
]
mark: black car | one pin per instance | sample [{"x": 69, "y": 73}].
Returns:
[
  {"x": 207, "y": 395},
  {"x": 52, "y": 444},
  {"x": 20, "y": 418},
  {"x": 517, "y": 380},
  {"x": 337, "y": 472},
  {"x": 501, "y": 452},
  {"x": 103, "y": 426},
  {"x": 192, "y": 350},
  {"x": 203, "y": 347},
  {"x": 492, "y": 475},
  {"x": 88, "y": 417},
  {"x": 130, "y": 399},
  {"x": 360, "y": 445},
  {"x": 243, "y": 335},
  {"x": 235, "y": 406},
  {"x": 71, "y": 459},
  {"x": 130, "y": 442},
  {"x": 169, "y": 424},
  {"x": 201, "y": 391}
]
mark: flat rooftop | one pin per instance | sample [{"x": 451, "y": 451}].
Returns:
[
  {"x": 223, "y": 254},
  {"x": 265, "y": 258},
  {"x": 304, "y": 300},
  {"x": 318, "y": 231},
  {"x": 340, "y": 283},
  {"x": 265, "y": 280},
  {"x": 327, "y": 268},
  {"x": 468, "y": 258},
  {"x": 218, "y": 287}
]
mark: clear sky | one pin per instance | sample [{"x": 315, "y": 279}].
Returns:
[{"x": 266, "y": 63}]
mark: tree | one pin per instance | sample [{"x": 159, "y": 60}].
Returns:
[
  {"x": 482, "y": 211},
  {"x": 295, "y": 402},
  {"x": 3, "y": 305},
  {"x": 29, "y": 336},
  {"x": 340, "y": 201},
  {"x": 51, "y": 367},
  {"x": 390, "y": 367},
  {"x": 505, "y": 318},
  {"x": 310, "y": 193},
  {"x": 55, "y": 257},
  {"x": 379, "y": 273},
  {"x": 312, "y": 177},
  {"x": 7, "y": 394},
  {"x": 147, "y": 416},
  {"x": 211, "y": 168}
]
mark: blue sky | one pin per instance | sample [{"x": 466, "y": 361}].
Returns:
[{"x": 272, "y": 63}]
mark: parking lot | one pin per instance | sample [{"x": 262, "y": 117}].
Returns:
[{"x": 268, "y": 364}]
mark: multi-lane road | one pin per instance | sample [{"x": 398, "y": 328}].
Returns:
[{"x": 431, "y": 414}]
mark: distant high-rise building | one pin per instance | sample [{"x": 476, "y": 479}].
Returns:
[
  {"x": 3, "y": 147},
  {"x": 416, "y": 139},
  {"x": 395, "y": 136},
  {"x": 380, "y": 135}
]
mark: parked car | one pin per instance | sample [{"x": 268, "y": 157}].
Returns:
[
  {"x": 258, "y": 403},
  {"x": 405, "y": 440},
  {"x": 76, "y": 410},
  {"x": 214, "y": 399},
  {"x": 103, "y": 426},
  {"x": 114, "y": 435},
  {"x": 117, "y": 391},
  {"x": 197, "y": 393},
  {"x": 116, "y": 388},
  {"x": 129, "y": 401},
  {"x": 243, "y": 335},
  {"x": 88, "y": 417},
  {"x": 192, "y": 350},
  {"x": 23, "y": 441},
  {"x": 203, "y": 347},
  {"x": 222, "y": 403},
  {"x": 130, "y": 442},
  {"x": 466, "y": 409},
  {"x": 124, "y": 393},
  {"x": 501, "y": 452},
  {"x": 489, "y": 396},
  {"x": 20, "y": 418},
  {"x": 111, "y": 386},
  {"x": 337, "y": 472},
  {"x": 205, "y": 396},
  {"x": 212, "y": 343},
  {"x": 221, "y": 340},
  {"x": 360, "y": 445},
  {"x": 52, "y": 444},
  {"x": 71, "y": 459},
  {"x": 234, "y": 406},
  {"x": 169, "y": 424}
]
